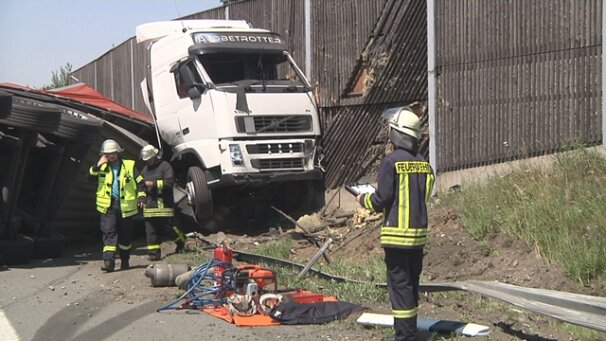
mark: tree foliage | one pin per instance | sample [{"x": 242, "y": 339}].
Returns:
[{"x": 59, "y": 77}]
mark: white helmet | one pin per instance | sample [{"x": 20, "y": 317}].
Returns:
[
  {"x": 110, "y": 146},
  {"x": 404, "y": 120},
  {"x": 149, "y": 152}
]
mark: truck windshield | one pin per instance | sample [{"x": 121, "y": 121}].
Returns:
[{"x": 266, "y": 69}]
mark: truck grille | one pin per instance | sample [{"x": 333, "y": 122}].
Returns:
[
  {"x": 274, "y": 148},
  {"x": 277, "y": 164},
  {"x": 273, "y": 124}
]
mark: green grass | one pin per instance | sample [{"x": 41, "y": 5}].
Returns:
[
  {"x": 280, "y": 248},
  {"x": 559, "y": 210},
  {"x": 371, "y": 270},
  {"x": 580, "y": 332}
]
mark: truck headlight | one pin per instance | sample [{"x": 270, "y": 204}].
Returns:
[{"x": 235, "y": 154}]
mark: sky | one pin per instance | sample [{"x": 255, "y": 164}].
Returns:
[{"x": 38, "y": 37}]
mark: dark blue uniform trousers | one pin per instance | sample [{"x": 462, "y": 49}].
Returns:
[
  {"x": 403, "y": 272},
  {"x": 117, "y": 232}
]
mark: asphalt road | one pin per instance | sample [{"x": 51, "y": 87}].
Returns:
[{"x": 69, "y": 298}]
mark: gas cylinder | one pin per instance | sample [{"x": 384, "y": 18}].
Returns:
[
  {"x": 222, "y": 254},
  {"x": 164, "y": 275}
]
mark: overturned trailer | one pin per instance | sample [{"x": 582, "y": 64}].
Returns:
[{"x": 47, "y": 140}]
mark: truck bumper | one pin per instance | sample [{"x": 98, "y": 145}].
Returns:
[{"x": 264, "y": 178}]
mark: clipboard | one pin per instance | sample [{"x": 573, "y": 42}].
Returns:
[{"x": 356, "y": 189}]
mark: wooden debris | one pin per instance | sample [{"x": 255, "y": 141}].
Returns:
[
  {"x": 312, "y": 238},
  {"x": 359, "y": 232}
]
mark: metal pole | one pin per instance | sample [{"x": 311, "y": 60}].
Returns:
[
  {"x": 132, "y": 75},
  {"x": 431, "y": 83},
  {"x": 315, "y": 258},
  {"x": 308, "y": 40},
  {"x": 603, "y": 79}
]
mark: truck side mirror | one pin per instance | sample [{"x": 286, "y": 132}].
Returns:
[
  {"x": 187, "y": 75},
  {"x": 191, "y": 81},
  {"x": 194, "y": 92}
]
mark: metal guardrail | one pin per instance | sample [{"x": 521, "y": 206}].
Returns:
[{"x": 583, "y": 310}]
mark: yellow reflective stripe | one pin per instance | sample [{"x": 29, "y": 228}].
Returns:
[
  {"x": 126, "y": 214},
  {"x": 139, "y": 179},
  {"x": 125, "y": 247},
  {"x": 180, "y": 235},
  {"x": 153, "y": 247},
  {"x": 367, "y": 202},
  {"x": 141, "y": 195},
  {"x": 403, "y": 237},
  {"x": 399, "y": 241},
  {"x": 404, "y": 314},
  {"x": 403, "y": 202},
  {"x": 109, "y": 248},
  {"x": 91, "y": 171},
  {"x": 160, "y": 202},
  {"x": 158, "y": 215},
  {"x": 158, "y": 212},
  {"x": 128, "y": 207},
  {"x": 409, "y": 232},
  {"x": 428, "y": 186},
  {"x": 160, "y": 185}
]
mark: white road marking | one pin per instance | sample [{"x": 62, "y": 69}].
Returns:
[{"x": 7, "y": 332}]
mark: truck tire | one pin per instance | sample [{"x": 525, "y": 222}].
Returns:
[
  {"x": 16, "y": 251},
  {"x": 315, "y": 195},
  {"x": 200, "y": 196},
  {"x": 48, "y": 246}
]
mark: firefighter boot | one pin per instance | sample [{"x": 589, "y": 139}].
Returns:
[
  {"x": 180, "y": 246},
  {"x": 124, "y": 260},
  {"x": 124, "y": 263},
  {"x": 108, "y": 265}
]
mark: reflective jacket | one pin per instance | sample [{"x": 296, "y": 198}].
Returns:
[
  {"x": 405, "y": 182},
  {"x": 128, "y": 180},
  {"x": 159, "y": 200}
]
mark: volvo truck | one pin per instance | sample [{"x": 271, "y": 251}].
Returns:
[{"x": 235, "y": 114}]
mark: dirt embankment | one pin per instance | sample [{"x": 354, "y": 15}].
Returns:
[{"x": 452, "y": 255}]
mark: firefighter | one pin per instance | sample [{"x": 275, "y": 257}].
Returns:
[
  {"x": 405, "y": 182},
  {"x": 158, "y": 210},
  {"x": 117, "y": 182}
]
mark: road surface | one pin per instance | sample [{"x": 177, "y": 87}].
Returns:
[{"x": 69, "y": 298}]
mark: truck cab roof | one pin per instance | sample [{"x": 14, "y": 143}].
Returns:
[{"x": 150, "y": 32}]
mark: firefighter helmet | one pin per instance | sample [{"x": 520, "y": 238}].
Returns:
[
  {"x": 404, "y": 120},
  {"x": 110, "y": 146},
  {"x": 404, "y": 126},
  {"x": 149, "y": 152}
]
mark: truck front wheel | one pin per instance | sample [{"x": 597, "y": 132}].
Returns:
[{"x": 200, "y": 197}]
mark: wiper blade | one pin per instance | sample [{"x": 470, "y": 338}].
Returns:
[{"x": 262, "y": 82}]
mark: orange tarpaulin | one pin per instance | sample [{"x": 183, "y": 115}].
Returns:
[{"x": 258, "y": 319}]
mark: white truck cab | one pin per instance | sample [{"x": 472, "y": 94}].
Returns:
[{"x": 236, "y": 111}]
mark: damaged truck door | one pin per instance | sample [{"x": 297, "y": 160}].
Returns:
[{"x": 235, "y": 113}]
